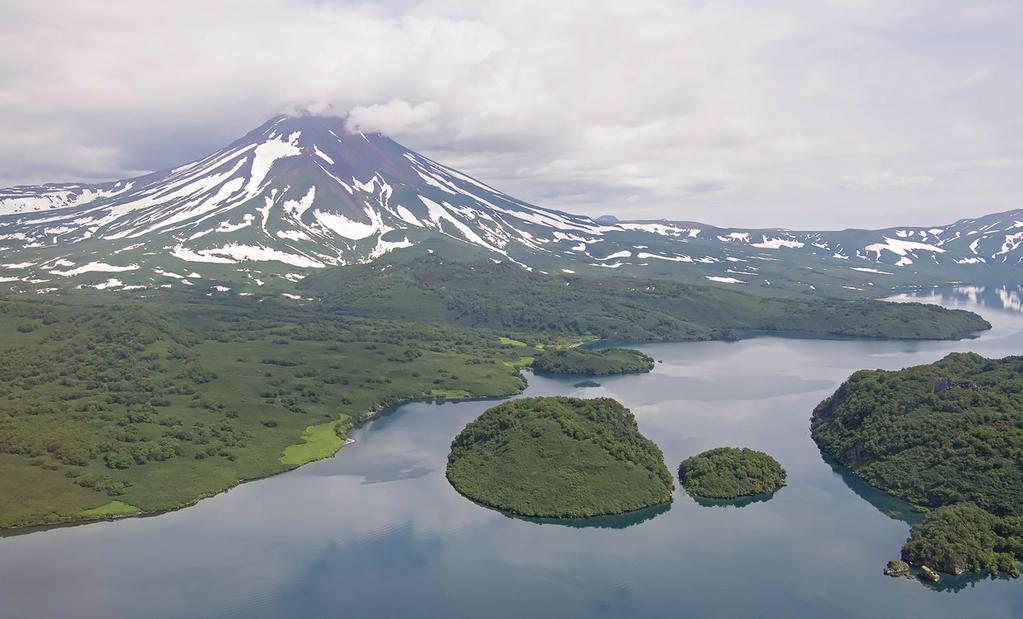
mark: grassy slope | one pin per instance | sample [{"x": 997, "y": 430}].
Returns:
[
  {"x": 558, "y": 457},
  {"x": 156, "y": 406},
  {"x": 777, "y": 272},
  {"x": 506, "y": 297},
  {"x": 318, "y": 442}
]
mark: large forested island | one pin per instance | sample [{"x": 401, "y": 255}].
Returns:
[
  {"x": 730, "y": 473},
  {"x": 601, "y": 362},
  {"x": 559, "y": 457},
  {"x": 946, "y": 436}
]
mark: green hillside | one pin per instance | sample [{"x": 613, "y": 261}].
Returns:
[
  {"x": 154, "y": 406},
  {"x": 558, "y": 457},
  {"x": 601, "y": 362},
  {"x": 730, "y": 472},
  {"x": 504, "y": 296},
  {"x": 948, "y": 434}
]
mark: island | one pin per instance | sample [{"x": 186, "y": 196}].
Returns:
[
  {"x": 603, "y": 362},
  {"x": 896, "y": 568},
  {"x": 559, "y": 457},
  {"x": 730, "y": 473},
  {"x": 947, "y": 437}
]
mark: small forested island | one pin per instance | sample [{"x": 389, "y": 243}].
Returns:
[
  {"x": 730, "y": 473},
  {"x": 897, "y": 567},
  {"x": 946, "y": 436},
  {"x": 559, "y": 457},
  {"x": 601, "y": 362}
]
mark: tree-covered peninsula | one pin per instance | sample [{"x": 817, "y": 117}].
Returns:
[
  {"x": 132, "y": 408},
  {"x": 730, "y": 473},
  {"x": 439, "y": 289},
  {"x": 559, "y": 457},
  {"x": 601, "y": 362},
  {"x": 947, "y": 436}
]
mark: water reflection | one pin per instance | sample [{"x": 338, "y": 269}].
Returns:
[
  {"x": 968, "y": 580},
  {"x": 1004, "y": 297},
  {"x": 745, "y": 385},
  {"x": 617, "y": 521},
  {"x": 739, "y": 502},
  {"x": 885, "y": 503}
]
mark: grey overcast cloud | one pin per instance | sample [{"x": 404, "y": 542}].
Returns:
[{"x": 815, "y": 114}]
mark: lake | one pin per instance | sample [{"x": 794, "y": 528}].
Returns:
[{"x": 376, "y": 531}]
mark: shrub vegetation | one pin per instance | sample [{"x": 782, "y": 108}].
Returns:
[
  {"x": 730, "y": 472},
  {"x": 601, "y": 362},
  {"x": 948, "y": 435},
  {"x": 504, "y": 296},
  {"x": 559, "y": 457},
  {"x": 155, "y": 405}
]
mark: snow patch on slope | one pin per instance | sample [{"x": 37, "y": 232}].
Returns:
[
  {"x": 777, "y": 244},
  {"x": 233, "y": 253},
  {"x": 95, "y": 267},
  {"x": 265, "y": 155},
  {"x": 900, "y": 247},
  {"x": 724, "y": 280}
]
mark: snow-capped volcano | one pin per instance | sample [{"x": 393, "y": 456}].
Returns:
[{"x": 302, "y": 193}]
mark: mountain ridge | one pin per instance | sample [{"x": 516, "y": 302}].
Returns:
[{"x": 306, "y": 192}]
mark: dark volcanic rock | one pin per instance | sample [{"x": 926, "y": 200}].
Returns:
[
  {"x": 896, "y": 568},
  {"x": 945, "y": 384}
]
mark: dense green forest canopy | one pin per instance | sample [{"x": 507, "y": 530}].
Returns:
[
  {"x": 933, "y": 434},
  {"x": 730, "y": 472},
  {"x": 601, "y": 362},
  {"x": 111, "y": 404},
  {"x": 965, "y": 538},
  {"x": 150, "y": 406},
  {"x": 559, "y": 457},
  {"x": 936, "y": 435},
  {"x": 505, "y": 296}
]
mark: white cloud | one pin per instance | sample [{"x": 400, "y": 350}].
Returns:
[
  {"x": 724, "y": 111},
  {"x": 396, "y": 116},
  {"x": 885, "y": 181}
]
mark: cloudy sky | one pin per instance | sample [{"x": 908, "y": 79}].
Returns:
[{"x": 805, "y": 114}]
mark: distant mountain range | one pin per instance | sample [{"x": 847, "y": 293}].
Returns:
[{"x": 304, "y": 193}]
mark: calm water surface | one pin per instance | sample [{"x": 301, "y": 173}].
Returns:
[{"x": 377, "y": 532}]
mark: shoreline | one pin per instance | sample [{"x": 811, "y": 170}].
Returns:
[
  {"x": 384, "y": 409},
  {"x": 370, "y": 415}
]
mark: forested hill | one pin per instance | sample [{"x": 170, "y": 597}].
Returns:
[
  {"x": 933, "y": 434},
  {"x": 559, "y": 457},
  {"x": 114, "y": 410},
  {"x": 948, "y": 436},
  {"x": 500, "y": 295}
]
